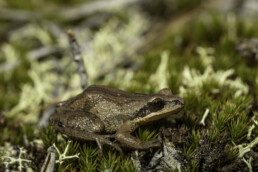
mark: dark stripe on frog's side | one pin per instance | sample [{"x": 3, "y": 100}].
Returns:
[{"x": 147, "y": 109}]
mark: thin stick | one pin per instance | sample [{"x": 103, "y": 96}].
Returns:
[
  {"x": 75, "y": 48},
  {"x": 87, "y": 8},
  {"x": 51, "y": 109},
  {"x": 50, "y": 159}
]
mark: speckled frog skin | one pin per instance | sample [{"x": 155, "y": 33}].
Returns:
[{"x": 102, "y": 112}]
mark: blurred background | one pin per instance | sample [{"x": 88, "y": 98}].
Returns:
[{"x": 121, "y": 40}]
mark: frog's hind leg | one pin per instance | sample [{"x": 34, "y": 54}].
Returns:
[{"x": 101, "y": 141}]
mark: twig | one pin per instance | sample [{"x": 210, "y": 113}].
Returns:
[
  {"x": 46, "y": 114},
  {"x": 18, "y": 15},
  {"x": 41, "y": 52},
  {"x": 9, "y": 66},
  {"x": 75, "y": 48},
  {"x": 50, "y": 159},
  {"x": 88, "y": 8},
  {"x": 50, "y": 110},
  {"x": 36, "y": 54}
]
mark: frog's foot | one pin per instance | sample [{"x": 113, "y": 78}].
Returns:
[
  {"x": 132, "y": 142},
  {"x": 101, "y": 141}
]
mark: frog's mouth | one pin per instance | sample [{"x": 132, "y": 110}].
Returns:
[{"x": 149, "y": 114}]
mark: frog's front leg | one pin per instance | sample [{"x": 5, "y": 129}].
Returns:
[
  {"x": 91, "y": 136},
  {"x": 123, "y": 135}
]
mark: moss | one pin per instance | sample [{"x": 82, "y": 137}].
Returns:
[
  {"x": 146, "y": 135},
  {"x": 18, "y": 134},
  {"x": 49, "y": 136},
  {"x": 110, "y": 161},
  {"x": 88, "y": 158},
  {"x": 238, "y": 129}
]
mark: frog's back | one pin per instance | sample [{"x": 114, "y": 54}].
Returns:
[
  {"x": 113, "y": 92},
  {"x": 113, "y": 106}
]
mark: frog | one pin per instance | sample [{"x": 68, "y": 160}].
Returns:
[{"x": 101, "y": 113}]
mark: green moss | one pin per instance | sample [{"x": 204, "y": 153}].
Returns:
[
  {"x": 110, "y": 161},
  {"x": 238, "y": 128},
  {"x": 88, "y": 158},
  {"x": 73, "y": 149},
  {"x": 146, "y": 135},
  {"x": 193, "y": 166},
  {"x": 49, "y": 136},
  {"x": 188, "y": 151},
  {"x": 127, "y": 165},
  {"x": 232, "y": 154},
  {"x": 197, "y": 103},
  {"x": 195, "y": 137}
]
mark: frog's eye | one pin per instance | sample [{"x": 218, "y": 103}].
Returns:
[
  {"x": 60, "y": 124},
  {"x": 158, "y": 102}
]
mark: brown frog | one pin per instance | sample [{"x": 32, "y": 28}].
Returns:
[{"x": 102, "y": 112}]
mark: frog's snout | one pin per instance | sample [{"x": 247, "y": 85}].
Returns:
[{"x": 179, "y": 101}]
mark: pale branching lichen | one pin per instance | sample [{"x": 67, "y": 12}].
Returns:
[
  {"x": 244, "y": 148},
  {"x": 160, "y": 77},
  {"x": 252, "y": 127},
  {"x": 63, "y": 156},
  {"x": 106, "y": 50},
  {"x": 206, "y": 55},
  {"x": 32, "y": 31},
  {"x": 10, "y": 56},
  {"x": 249, "y": 163},
  {"x": 193, "y": 80},
  {"x": 202, "y": 122},
  {"x": 8, "y": 161},
  {"x": 113, "y": 44},
  {"x": 32, "y": 95}
]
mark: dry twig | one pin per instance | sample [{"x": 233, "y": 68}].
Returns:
[{"x": 75, "y": 48}]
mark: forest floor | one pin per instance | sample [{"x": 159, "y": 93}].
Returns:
[{"x": 205, "y": 51}]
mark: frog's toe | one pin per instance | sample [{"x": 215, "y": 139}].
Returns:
[
  {"x": 154, "y": 143},
  {"x": 100, "y": 147},
  {"x": 108, "y": 142}
]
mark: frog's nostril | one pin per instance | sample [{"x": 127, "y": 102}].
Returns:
[
  {"x": 178, "y": 102},
  {"x": 181, "y": 101}
]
